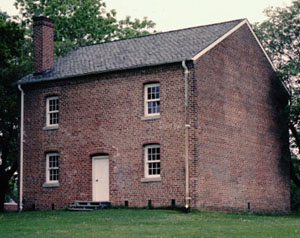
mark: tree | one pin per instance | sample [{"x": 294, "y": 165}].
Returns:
[
  {"x": 80, "y": 23},
  {"x": 11, "y": 68},
  {"x": 280, "y": 36}
]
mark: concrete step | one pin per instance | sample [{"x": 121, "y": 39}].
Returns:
[
  {"x": 88, "y": 205},
  {"x": 79, "y": 209}
]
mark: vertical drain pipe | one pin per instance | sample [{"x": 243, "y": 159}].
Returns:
[
  {"x": 21, "y": 150},
  {"x": 186, "y": 135}
]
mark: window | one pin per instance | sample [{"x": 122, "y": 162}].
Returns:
[
  {"x": 152, "y": 161},
  {"x": 52, "y": 168},
  {"x": 152, "y": 99},
  {"x": 52, "y": 111}
]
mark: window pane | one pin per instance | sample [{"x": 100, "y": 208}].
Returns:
[
  {"x": 149, "y": 107},
  {"x": 154, "y": 108},
  {"x": 52, "y": 175},
  {"x": 157, "y": 92},
  {"x": 158, "y": 106},
  {"x": 153, "y": 157},
  {"x": 57, "y": 105},
  {"x": 148, "y": 93}
]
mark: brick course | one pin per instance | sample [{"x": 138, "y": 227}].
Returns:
[{"x": 236, "y": 141}]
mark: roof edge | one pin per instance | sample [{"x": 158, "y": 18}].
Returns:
[
  {"x": 245, "y": 21},
  {"x": 223, "y": 37},
  {"x": 268, "y": 58},
  {"x": 42, "y": 80}
]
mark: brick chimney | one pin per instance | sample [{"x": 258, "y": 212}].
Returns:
[{"x": 43, "y": 50}]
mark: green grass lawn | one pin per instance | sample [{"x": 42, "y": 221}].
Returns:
[{"x": 146, "y": 223}]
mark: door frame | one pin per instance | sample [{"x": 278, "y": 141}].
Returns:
[{"x": 94, "y": 158}]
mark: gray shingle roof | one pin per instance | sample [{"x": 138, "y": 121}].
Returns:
[{"x": 155, "y": 49}]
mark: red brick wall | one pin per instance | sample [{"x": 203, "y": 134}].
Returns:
[
  {"x": 102, "y": 114},
  {"x": 239, "y": 138}
]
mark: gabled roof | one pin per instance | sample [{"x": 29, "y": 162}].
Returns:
[{"x": 155, "y": 49}]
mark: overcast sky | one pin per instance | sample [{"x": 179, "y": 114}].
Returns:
[{"x": 176, "y": 14}]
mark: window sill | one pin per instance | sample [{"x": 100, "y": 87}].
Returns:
[
  {"x": 51, "y": 185},
  {"x": 149, "y": 180},
  {"x": 145, "y": 118},
  {"x": 46, "y": 128}
]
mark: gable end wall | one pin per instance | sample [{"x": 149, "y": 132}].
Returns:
[{"x": 240, "y": 137}]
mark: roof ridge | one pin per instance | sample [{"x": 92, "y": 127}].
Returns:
[
  {"x": 158, "y": 33},
  {"x": 194, "y": 27}
]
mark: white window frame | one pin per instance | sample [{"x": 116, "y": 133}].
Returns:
[
  {"x": 146, "y": 100},
  {"x": 48, "y": 168},
  {"x": 48, "y": 112},
  {"x": 147, "y": 162}
]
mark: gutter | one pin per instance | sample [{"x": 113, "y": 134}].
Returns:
[
  {"x": 42, "y": 79},
  {"x": 21, "y": 150},
  {"x": 186, "y": 135}
]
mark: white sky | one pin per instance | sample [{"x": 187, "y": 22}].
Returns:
[{"x": 176, "y": 14}]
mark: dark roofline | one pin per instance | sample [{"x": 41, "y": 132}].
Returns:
[
  {"x": 43, "y": 80},
  {"x": 159, "y": 33}
]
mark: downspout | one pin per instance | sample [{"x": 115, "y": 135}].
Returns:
[
  {"x": 186, "y": 135},
  {"x": 21, "y": 150}
]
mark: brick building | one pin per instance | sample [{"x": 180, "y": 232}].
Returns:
[{"x": 192, "y": 117}]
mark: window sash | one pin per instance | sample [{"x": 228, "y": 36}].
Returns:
[
  {"x": 52, "y": 168},
  {"x": 152, "y": 99},
  {"x": 152, "y": 163},
  {"x": 52, "y": 112}
]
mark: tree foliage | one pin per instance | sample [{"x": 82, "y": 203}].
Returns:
[
  {"x": 280, "y": 35},
  {"x": 11, "y": 68},
  {"x": 80, "y": 23}
]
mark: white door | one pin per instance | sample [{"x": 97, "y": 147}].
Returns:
[{"x": 100, "y": 178}]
